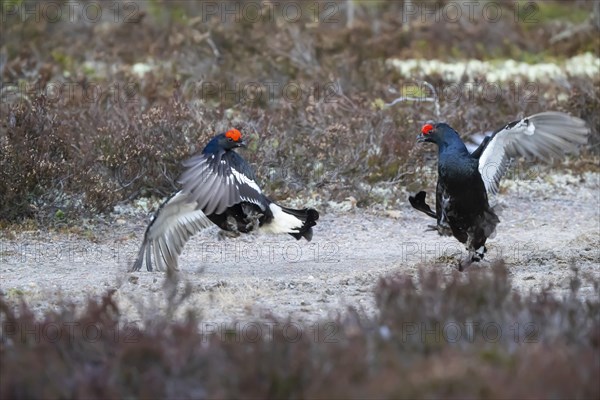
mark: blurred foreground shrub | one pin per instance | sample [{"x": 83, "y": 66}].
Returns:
[{"x": 464, "y": 335}]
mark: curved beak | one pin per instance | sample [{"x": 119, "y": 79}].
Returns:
[
  {"x": 421, "y": 138},
  {"x": 241, "y": 143}
]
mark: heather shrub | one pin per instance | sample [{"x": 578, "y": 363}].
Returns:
[
  {"x": 435, "y": 335},
  {"x": 105, "y": 116}
]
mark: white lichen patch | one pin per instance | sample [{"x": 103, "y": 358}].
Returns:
[
  {"x": 140, "y": 69},
  {"x": 582, "y": 65}
]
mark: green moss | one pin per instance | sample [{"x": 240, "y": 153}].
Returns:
[
  {"x": 498, "y": 357},
  {"x": 15, "y": 292},
  {"x": 89, "y": 71},
  {"x": 378, "y": 104},
  {"x": 63, "y": 59}
]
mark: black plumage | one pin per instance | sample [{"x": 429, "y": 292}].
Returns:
[
  {"x": 218, "y": 187},
  {"x": 466, "y": 179}
]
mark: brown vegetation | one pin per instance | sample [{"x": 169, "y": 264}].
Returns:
[
  {"x": 97, "y": 113},
  {"x": 82, "y": 129},
  {"x": 465, "y": 335}
]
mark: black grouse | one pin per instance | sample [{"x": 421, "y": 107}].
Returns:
[
  {"x": 466, "y": 179},
  {"x": 218, "y": 187}
]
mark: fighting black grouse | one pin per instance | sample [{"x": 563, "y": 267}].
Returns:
[
  {"x": 466, "y": 179},
  {"x": 218, "y": 187}
]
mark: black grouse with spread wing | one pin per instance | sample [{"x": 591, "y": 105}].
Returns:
[
  {"x": 466, "y": 179},
  {"x": 219, "y": 188}
]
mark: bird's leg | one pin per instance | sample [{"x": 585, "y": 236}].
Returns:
[
  {"x": 252, "y": 219},
  {"x": 472, "y": 256},
  {"x": 465, "y": 262},
  {"x": 253, "y": 222},
  {"x": 222, "y": 235},
  {"x": 231, "y": 224},
  {"x": 473, "y": 239},
  {"x": 479, "y": 253},
  {"x": 232, "y": 229},
  {"x": 443, "y": 226}
]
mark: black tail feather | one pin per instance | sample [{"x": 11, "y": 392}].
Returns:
[
  {"x": 309, "y": 216},
  {"x": 418, "y": 202}
]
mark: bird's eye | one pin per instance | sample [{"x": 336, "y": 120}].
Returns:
[{"x": 229, "y": 139}]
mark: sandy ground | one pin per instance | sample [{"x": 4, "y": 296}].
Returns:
[{"x": 547, "y": 226}]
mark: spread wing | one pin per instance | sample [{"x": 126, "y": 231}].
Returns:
[
  {"x": 547, "y": 135},
  {"x": 218, "y": 181},
  {"x": 174, "y": 223},
  {"x": 211, "y": 184}
]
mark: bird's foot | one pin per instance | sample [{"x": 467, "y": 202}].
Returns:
[
  {"x": 465, "y": 263},
  {"x": 231, "y": 224},
  {"x": 222, "y": 235},
  {"x": 443, "y": 230},
  {"x": 253, "y": 221},
  {"x": 473, "y": 256},
  {"x": 231, "y": 231}
]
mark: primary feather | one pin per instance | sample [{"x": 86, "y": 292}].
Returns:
[
  {"x": 218, "y": 188},
  {"x": 547, "y": 135}
]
